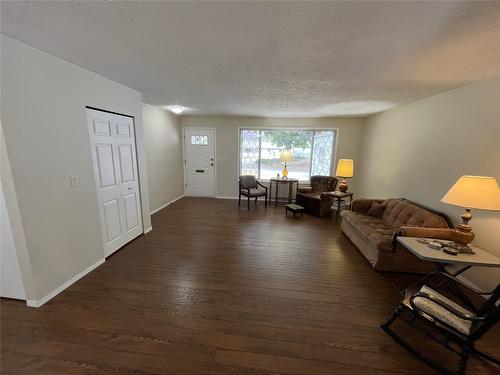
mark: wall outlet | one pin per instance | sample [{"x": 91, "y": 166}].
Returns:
[{"x": 74, "y": 181}]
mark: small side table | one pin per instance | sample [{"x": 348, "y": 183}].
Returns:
[
  {"x": 481, "y": 258},
  {"x": 277, "y": 182},
  {"x": 339, "y": 197}
]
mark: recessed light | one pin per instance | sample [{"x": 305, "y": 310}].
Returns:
[{"x": 177, "y": 109}]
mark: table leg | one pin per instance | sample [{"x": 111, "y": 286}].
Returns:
[
  {"x": 270, "y": 192},
  {"x": 338, "y": 208},
  {"x": 276, "y": 195},
  {"x": 290, "y": 192}
]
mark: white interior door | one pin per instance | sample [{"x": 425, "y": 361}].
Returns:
[
  {"x": 199, "y": 146},
  {"x": 114, "y": 157}
]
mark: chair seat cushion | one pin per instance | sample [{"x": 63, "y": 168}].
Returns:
[
  {"x": 254, "y": 192},
  {"x": 375, "y": 230},
  {"x": 441, "y": 314}
]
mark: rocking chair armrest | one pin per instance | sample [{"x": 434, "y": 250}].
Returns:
[{"x": 441, "y": 303}]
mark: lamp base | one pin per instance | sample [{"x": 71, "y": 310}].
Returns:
[
  {"x": 343, "y": 186},
  {"x": 284, "y": 172},
  {"x": 462, "y": 234}
]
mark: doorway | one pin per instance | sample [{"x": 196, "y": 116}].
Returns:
[
  {"x": 114, "y": 157},
  {"x": 199, "y": 158}
]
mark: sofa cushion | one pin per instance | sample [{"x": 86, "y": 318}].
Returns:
[
  {"x": 398, "y": 213},
  {"x": 375, "y": 230},
  {"x": 376, "y": 210}
]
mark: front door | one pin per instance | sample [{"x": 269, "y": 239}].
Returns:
[
  {"x": 199, "y": 146},
  {"x": 114, "y": 158}
]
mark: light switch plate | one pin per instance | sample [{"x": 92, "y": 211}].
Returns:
[{"x": 74, "y": 181}]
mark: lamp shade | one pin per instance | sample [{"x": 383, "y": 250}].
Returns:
[
  {"x": 345, "y": 168},
  {"x": 286, "y": 156},
  {"x": 474, "y": 192}
]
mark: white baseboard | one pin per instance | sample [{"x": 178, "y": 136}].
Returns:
[
  {"x": 226, "y": 197},
  {"x": 166, "y": 204},
  {"x": 148, "y": 229},
  {"x": 55, "y": 292}
]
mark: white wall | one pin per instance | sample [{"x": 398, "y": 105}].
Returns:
[
  {"x": 162, "y": 139},
  {"x": 44, "y": 121},
  {"x": 11, "y": 283},
  {"x": 349, "y": 135},
  {"x": 420, "y": 149}
]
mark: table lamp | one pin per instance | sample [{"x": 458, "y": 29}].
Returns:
[
  {"x": 476, "y": 192},
  {"x": 285, "y": 156},
  {"x": 345, "y": 169}
]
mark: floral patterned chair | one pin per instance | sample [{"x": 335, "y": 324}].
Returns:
[{"x": 313, "y": 198}]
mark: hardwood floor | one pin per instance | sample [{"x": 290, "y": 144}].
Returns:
[{"x": 215, "y": 289}]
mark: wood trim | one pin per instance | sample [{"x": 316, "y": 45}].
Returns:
[{"x": 59, "y": 289}]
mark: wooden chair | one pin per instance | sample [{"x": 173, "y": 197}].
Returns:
[
  {"x": 251, "y": 188},
  {"x": 453, "y": 326}
]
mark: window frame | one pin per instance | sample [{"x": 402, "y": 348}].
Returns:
[{"x": 333, "y": 159}]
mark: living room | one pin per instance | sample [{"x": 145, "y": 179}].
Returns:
[{"x": 165, "y": 263}]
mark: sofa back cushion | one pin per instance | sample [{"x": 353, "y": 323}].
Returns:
[{"x": 398, "y": 213}]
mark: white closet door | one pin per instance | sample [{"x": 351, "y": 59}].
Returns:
[{"x": 114, "y": 157}]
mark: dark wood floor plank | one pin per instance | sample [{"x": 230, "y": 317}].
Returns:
[{"x": 215, "y": 289}]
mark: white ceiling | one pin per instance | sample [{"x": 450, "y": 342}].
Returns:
[{"x": 270, "y": 58}]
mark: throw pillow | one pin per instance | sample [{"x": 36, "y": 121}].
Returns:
[{"x": 376, "y": 210}]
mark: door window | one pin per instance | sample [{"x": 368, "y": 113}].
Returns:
[{"x": 199, "y": 140}]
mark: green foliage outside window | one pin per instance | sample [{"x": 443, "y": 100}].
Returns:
[{"x": 289, "y": 139}]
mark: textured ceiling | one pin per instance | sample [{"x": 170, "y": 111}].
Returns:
[{"x": 270, "y": 58}]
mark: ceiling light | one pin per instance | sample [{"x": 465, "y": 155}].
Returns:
[{"x": 177, "y": 109}]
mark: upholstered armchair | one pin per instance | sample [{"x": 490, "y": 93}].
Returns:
[
  {"x": 251, "y": 188},
  {"x": 314, "y": 198}
]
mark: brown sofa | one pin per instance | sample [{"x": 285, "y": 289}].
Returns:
[
  {"x": 314, "y": 198},
  {"x": 374, "y": 224}
]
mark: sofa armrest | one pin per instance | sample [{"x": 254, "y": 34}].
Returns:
[
  {"x": 406, "y": 231},
  {"x": 438, "y": 233},
  {"x": 361, "y": 206},
  {"x": 305, "y": 189}
]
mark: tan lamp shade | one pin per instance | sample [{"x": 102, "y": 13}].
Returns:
[
  {"x": 345, "y": 168},
  {"x": 286, "y": 156},
  {"x": 474, "y": 192}
]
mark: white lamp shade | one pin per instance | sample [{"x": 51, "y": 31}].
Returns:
[
  {"x": 345, "y": 168},
  {"x": 474, "y": 192},
  {"x": 286, "y": 156}
]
